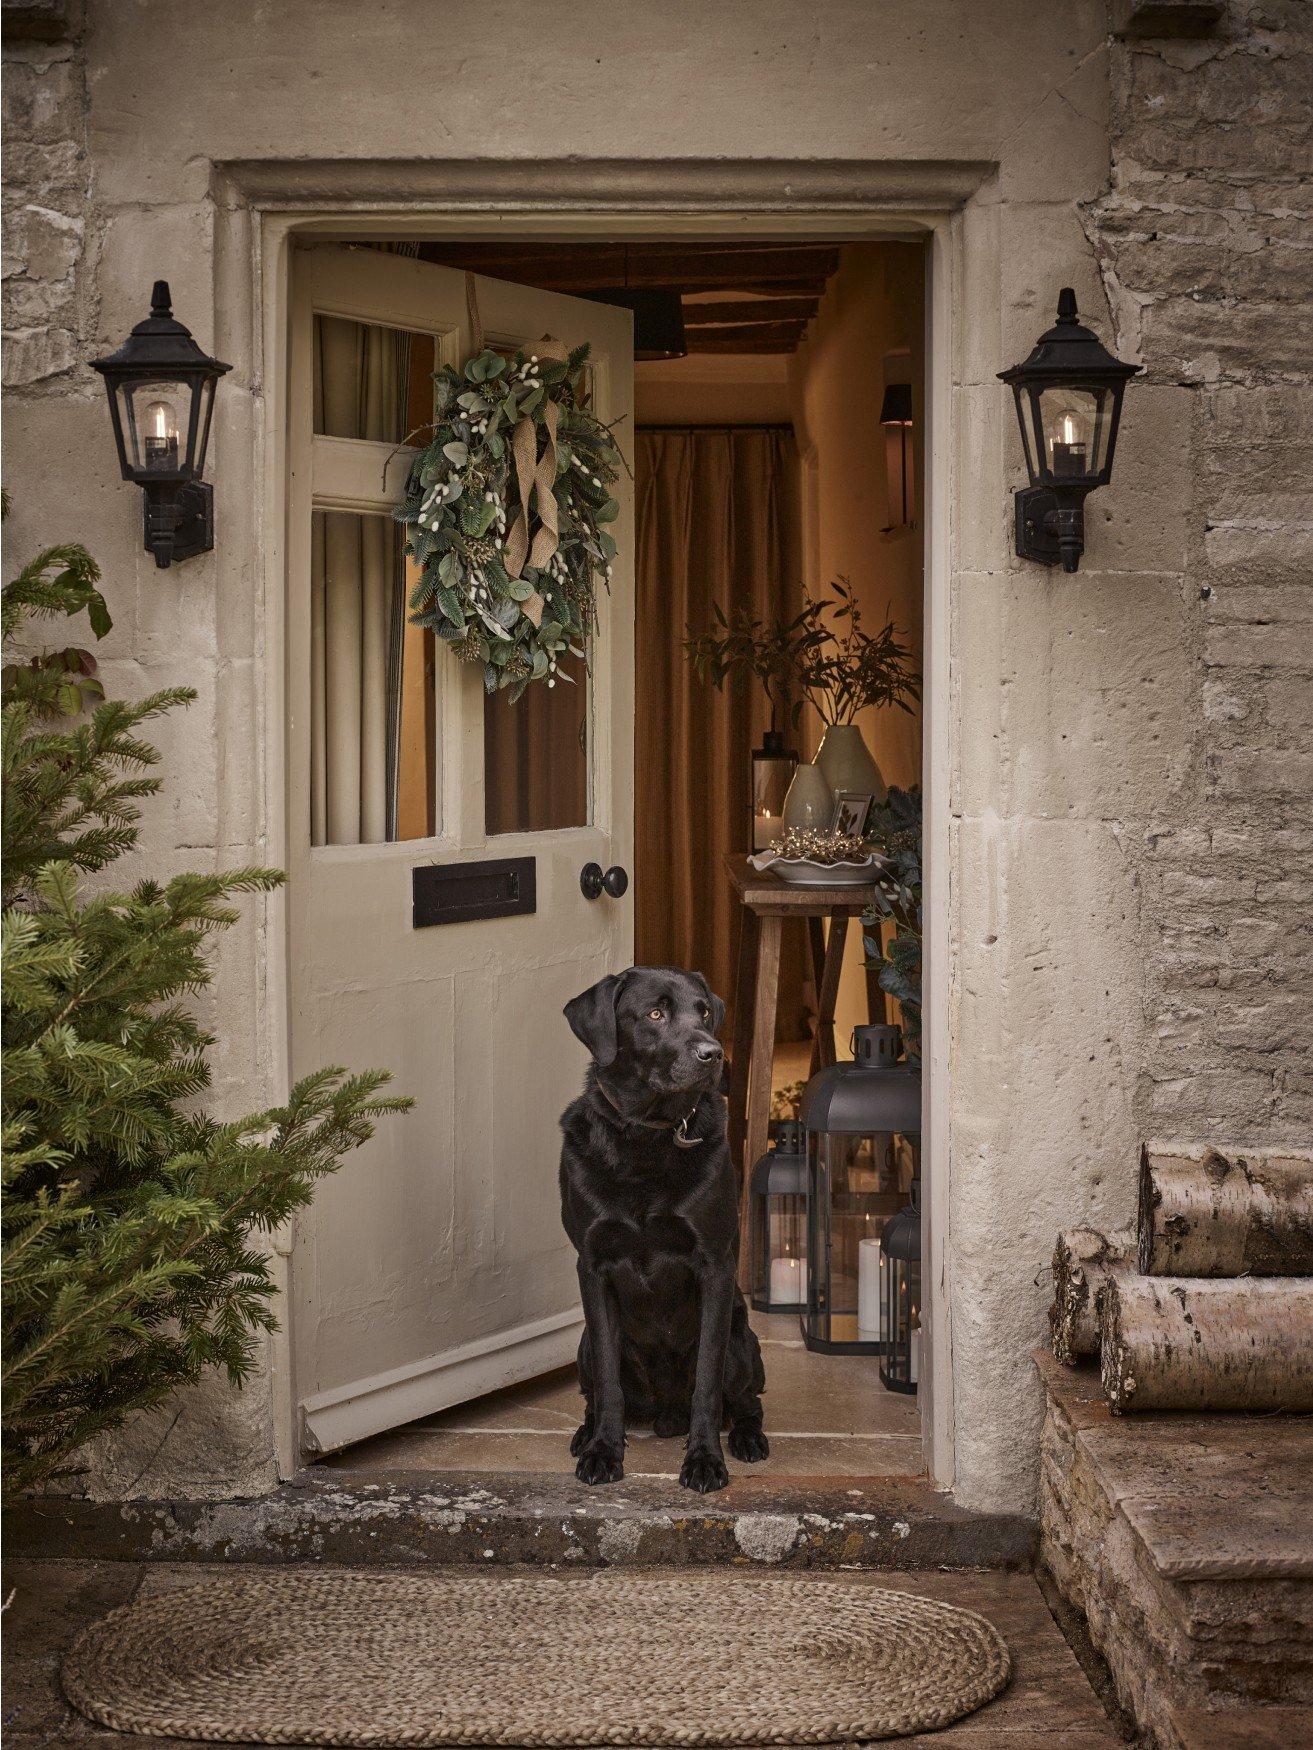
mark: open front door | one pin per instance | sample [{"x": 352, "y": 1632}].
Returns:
[{"x": 432, "y": 1267}]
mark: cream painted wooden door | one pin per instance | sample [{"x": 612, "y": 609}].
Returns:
[{"x": 433, "y": 1268}]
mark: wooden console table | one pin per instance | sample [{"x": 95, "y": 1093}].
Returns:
[{"x": 766, "y": 902}]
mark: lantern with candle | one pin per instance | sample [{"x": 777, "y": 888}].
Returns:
[
  {"x": 161, "y": 400},
  {"x": 779, "y": 1223},
  {"x": 1069, "y": 399},
  {"x": 773, "y": 766},
  {"x": 861, "y": 1120},
  {"x": 900, "y": 1297}
]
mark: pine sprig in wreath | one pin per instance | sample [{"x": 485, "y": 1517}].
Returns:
[{"x": 519, "y": 613}]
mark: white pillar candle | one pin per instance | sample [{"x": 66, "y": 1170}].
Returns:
[
  {"x": 765, "y": 827},
  {"x": 788, "y": 1281},
  {"x": 870, "y": 1287}
]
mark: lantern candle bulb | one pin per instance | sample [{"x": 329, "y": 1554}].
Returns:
[
  {"x": 161, "y": 447},
  {"x": 1068, "y": 453}
]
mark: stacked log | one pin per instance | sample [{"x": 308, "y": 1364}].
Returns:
[
  {"x": 1199, "y": 1343},
  {"x": 1220, "y": 1313},
  {"x": 1214, "y": 1215},
  {"x": 1082, "y": 1260}
]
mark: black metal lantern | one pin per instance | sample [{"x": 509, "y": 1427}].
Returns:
[
  {"x": 900, "y": 1297},
  {"x": 863, "y": 1123},
  {"x": 779, "y": 1223},
  {"x": 161, "y": 398},
  {"x": 773, "y": 767},
  {"x": 1069, "y": 401}
]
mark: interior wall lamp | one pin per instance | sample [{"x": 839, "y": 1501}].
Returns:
[
  {"x": 161, "y": 399},
  {"x": 1069, "y": 401}
]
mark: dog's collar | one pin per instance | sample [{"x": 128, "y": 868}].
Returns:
[{"x": 679, "y": 1131}]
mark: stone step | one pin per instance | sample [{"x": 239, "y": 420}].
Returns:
[
  {"x": 1186, "y": 1541},
  {"x": 892, "y": 1524}
]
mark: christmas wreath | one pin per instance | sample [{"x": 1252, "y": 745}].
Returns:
[{"x": 505, "y": 509}]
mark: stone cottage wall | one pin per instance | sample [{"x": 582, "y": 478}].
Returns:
[
  {"x": 1205, "y": 245},
  {"x": 1130, "y": 842}
]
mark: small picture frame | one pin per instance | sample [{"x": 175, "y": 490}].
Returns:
[{"x": 851, "y": 808}]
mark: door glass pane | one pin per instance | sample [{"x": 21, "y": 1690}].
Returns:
[
  {"x": 371, "y": 382},
  {"x": 535, "y": 756},
  {"x": 535, "y": 751},
  {"x": 372, "y": 688}
]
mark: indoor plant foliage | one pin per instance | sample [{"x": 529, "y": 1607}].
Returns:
[
  {"x": 132, "y": 1224},
  {"x": 506, "y": 508},
  {"x": 824, "y": 652},
  {"x": 895, "y": 826}
]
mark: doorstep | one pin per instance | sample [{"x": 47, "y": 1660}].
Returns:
[
  {"x": 450, "y": 1517},
  {"x": 1186, "y": 1542}
]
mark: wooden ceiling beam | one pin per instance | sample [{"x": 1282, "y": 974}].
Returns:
[
  {"x": 588, "y": 267},
  {"x": 745, "y": 337},
  {"x": 706, "y": 340},
  {"x": 751, "y": 310}
]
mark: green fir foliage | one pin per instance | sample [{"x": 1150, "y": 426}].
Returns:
[{"x": 134, "y": 1226}]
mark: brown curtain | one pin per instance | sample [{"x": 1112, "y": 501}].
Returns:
[{"x": 718, "y": 521}]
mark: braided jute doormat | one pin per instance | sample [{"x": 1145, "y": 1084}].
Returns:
[{"x": 615, "y": 1657}]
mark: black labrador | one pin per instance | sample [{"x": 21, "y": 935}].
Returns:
[{"x": 648, "y": 1196}]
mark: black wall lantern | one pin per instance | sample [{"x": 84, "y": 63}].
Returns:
[
  {"x": 1069, "y": 401},
  {"x": 161, "y": 398}
]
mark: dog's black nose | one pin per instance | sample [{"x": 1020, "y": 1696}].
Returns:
[{"x": 708, "y": 1052}]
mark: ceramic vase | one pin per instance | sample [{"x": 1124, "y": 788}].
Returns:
[
  {"x": 848, "y": 764},
  {"x": 810, "y": 801}
]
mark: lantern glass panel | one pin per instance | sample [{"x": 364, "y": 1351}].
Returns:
[
  {"x": 786, "y": 1253},
  {"x": 900, "y": 1324},
  {"x": 1075, "y": 424},
  {"x": 772, "y": 773},
  {"x": 156, "y": 420},
  {"x": 852, "y": 1192}
]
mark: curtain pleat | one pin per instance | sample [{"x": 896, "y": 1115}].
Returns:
[
  {"x": 717, "y": 522},
  {"x": 357, "y": 596}
]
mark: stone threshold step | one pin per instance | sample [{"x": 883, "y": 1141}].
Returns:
[{"x": 451, "y": 1517}]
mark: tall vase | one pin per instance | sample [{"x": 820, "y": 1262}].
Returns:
[
  {"x": 848, "y": 763},
  {"x": 810, "y": 802}
]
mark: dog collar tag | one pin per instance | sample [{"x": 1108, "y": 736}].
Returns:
[{"x": 682, "y": 1137}]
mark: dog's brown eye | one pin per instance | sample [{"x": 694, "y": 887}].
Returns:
[
  {"x": 705, "y": 1012},
  {"x": 656, "y": 1015}
]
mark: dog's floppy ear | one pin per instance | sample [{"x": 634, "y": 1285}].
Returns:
[
  {"x": 592, "y": 1017},
  {"x": 717, "y": 1006}
]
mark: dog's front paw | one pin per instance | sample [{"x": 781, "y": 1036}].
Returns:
[
  {"x": 746, "y": 1441},
  {"x": 600, "y": 1462},
  {"x": 704, "y": 1470}
]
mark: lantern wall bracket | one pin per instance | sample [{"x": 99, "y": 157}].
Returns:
[
  {"x": 1048, "y": 532},
  {"x": 180, "y": 527}
]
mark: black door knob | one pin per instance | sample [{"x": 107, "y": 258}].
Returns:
[{"x": 593, "y": 883}]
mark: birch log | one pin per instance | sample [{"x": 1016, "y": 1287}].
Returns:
[
  {"x": 1190, "y": 1343},
  {"x": 1211, "y": 1214},
  {"x": 1082, "y": 1259}
]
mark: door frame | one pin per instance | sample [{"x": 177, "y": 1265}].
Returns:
[{"x": 260, "y": 205}]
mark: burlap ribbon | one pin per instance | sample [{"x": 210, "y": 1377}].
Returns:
[{"x": 535, "y": 474}]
